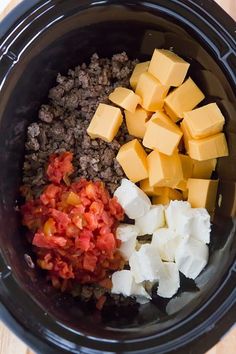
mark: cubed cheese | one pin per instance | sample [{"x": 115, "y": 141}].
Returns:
[
  {"x": 151, "y": 91},
  {"x": 177, "y": 217},
  {"x": 166, "y": 241},
  {"x": 163, "y": 170},
  {"x": 186, "y": 135},
  {"x": 184, "y": 220},
  {"x": 151, "y": 221},
  {"x": 200, "y": 227},
  {"x": 202, "y": 193},
  {"x": 182, "y": 186},
  {"x": 182, "y": 99},
  {"x": 208, "y": 148},
  {"x": 162, "y": 134},
  {"x": 167, "y": 195},
  {"x": 133, "y": 160},
  {"x": 139, "y": 69},
  {"x": 123, "y": 283},
  {"x": 187, "y": 167},
  {"x": 169, "y": 281},
  {"x": 132, "y": 199},
  {"x": 203, "y": 169},
  {"x": 191, "y": 257},
  {"x": 150, "y": 191},
  {"x": 145, "y": 264},
  {"x": 125, "y": 98},
  {"x": 204, "y": 121},
  {"x": 105, "y": 122},
  {"x": 168, "y": 67},
  {"x": 136, "y": 122},
  {"x": 127, "y": 234}
]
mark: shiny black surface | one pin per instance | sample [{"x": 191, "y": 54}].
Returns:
[{"x": 52, "y": 37}]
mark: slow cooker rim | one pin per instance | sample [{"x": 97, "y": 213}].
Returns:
[{"x": 13, "y": 323}]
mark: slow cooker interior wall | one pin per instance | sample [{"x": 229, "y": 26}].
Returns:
[{"x": 57, "y": 49}]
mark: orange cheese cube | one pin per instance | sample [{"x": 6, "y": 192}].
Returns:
[
  {"x": 202, "y": 193},
  {"x": 125, "y": 98},
  {"x": 151, "y": 91},
  {"x": 187, "y": 168},
  {"x": 204, "y": 121},
  {"x": 184, "y": 98},
  {"x": 139, "y": 69},
  {"x": 186, "y": 135},
  {"x": 167, "y": 195},
  {"x": 187, "y": 165},
  {"x": 163, "y": 170},
  {"x": 136, "y": 122},
  {"x": 133, "y": 160},
  {"x": 162, "y": 134},
  {"x": 151, "y": 191},
  {"x": 208, "y": 148},
  {"x": 168, "y": 67},
  {"x": 105, "y": 122},
  {"x": 203, "y": 169},
  {"x": 182, "y": 185}
]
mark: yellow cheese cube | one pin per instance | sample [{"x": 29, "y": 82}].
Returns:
[
  {"x": 186, "y": 135},
  {"x": 133, "y": 160},
  {"x": 167, "y": 195},
  {"x": 105, "y": 122},
  {"x": 208, "y": 148},
  {"x": 202, "y": 193},
  {"x": 162, "y": 134},
  {"x": 182, "y": 185},
  {"x": 151, "y": 91},
  {"x": 203, "y": 169},
  {"x": 163, "y": 170},
  {"x": 151, "y": 191},
  {"x": 168, "y": 67},
  {"x": 183, "y": 99},
  {"x": 187, "y": 168},
  {"x": 185, "y": 194},
  {"x": 187, "y": 165},
  {"x": 125, "y": 98},
  {"x": 204, "y": 121},
  {"x": 138, "y": 70},
  {"x": 136, "y": 122}
]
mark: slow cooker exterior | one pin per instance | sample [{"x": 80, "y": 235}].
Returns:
[{"x": 197, "y": 332}]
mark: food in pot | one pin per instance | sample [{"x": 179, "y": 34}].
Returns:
[{"x": 81, "y": 152}]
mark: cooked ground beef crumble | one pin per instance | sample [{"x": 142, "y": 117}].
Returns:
[{"x": 64, "y": 119}]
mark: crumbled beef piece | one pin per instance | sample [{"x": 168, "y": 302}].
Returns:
[{"x": 64, "y": 119}]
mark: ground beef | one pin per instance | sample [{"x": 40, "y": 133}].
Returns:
[{"x": 64, "y": 119}]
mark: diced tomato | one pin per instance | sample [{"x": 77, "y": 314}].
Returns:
[
  {"x": 116, "y": 209},
  {"x": 41, "y": 240},
  {"x": 83, "y": 240},
  {"x": 59, "y": 167},
  {"x": 74, "y": 229},
  {"x": 106, "y": 242},
  {"x": 97, "y": 207},
  {"x": 62, "y": 220},
  {"x": 91, "y": 221},
  {"x": 90, "y": 262}
]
